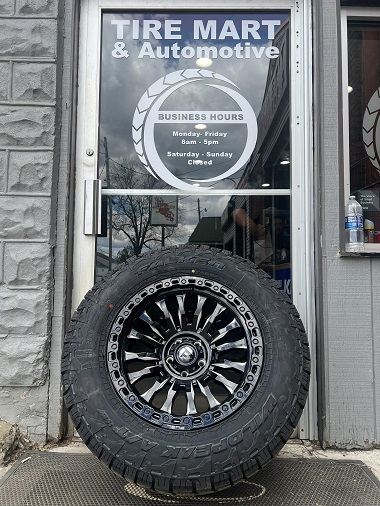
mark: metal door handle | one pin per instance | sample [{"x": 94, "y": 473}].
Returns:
[{"x": 92, "y": 206}]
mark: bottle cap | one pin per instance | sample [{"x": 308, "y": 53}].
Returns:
[{"x": 369, "y": 224}]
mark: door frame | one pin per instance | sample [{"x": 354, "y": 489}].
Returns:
[{"x": 302, "y": 187}]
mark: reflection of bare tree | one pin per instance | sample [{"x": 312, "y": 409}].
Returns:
[{"x": 130, "y": 213}]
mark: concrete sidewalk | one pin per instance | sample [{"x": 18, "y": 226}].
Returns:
[
  {"x": 293, "y": 449},
  {"x": 307, "y": 450}
]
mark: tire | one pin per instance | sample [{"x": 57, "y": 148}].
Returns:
[{"x": 186, "y": 370}]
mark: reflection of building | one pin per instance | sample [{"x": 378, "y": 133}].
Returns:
[
  {"x": 209, "y": 232},
  {"x": 264, "y": 167},
  {"x": 235, "y": 238},
  {"x": 272, "y": 144},
  {"x": 102, "y": 264}
]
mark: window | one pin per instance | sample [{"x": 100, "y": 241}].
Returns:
[{"x": 361, "y": 88}]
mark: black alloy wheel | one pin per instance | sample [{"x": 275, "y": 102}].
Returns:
[{"x": 190, "y": 354}]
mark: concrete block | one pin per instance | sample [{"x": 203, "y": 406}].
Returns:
[
  {"x": 28, "y": 408},
  {"x": 1, "y": 263},
  {"x": 23, "y": 312},
  {"x": 26, "y": 265},
  {"x": 4, "y": 79},
  {"x": 3, "y": 170},
  {"x": 6, "y": 7},
  {"x": 45, "y": 7},
  {"x": 34, "y": 81},
  {"x": 9, "y": 441},
  {"x": 24, "y": 361},
  {"x": 29, "y": 37},
  {"x": 30, "y": 171},
  {"x": 26, "y": 126},
  {"x": 24, "y": 217}
]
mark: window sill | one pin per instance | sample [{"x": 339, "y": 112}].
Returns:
[{"x": 370, "y": 250}]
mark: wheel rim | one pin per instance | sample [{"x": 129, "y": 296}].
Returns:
[{"x": 185, "y": 352}]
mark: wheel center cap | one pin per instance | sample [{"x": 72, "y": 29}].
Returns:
[{"x": 186, "y": 354}]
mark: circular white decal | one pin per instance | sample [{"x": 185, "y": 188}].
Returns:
[
  {"x": 371, "y": 129},
  {"x": 148, "y": 115}
]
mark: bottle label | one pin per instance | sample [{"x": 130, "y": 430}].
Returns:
[{"x": 354, "y": 221}]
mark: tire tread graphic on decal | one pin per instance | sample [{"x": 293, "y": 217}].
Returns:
[
  {"x": 370, "y": 129},
  {"x": 119, "y": 427},
  {"x": 147, "y": 100},
  {"x": 169, "y": 83}
]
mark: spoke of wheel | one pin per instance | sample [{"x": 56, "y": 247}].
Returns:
[
  {"x": 213, "y": 403},
  {"x": 181, "y": 311},
  {"x": 210, "y": 320},
  {"x": 152, "y": 357},
  {"x": 191, "y": 409},
  {"x": 143, "y": 337},
  {"x": 168, "y": 404},
  {"x": 135, "y": 376},
  {"x": 227, "y": 364},
  {"x": 222, "y": 332},
  {"x": 154, "y": 389},
  {"x": 147, "y": 319},
  {"x": 229, "y": 346},
  {"x": 229, "y": 385},
  {"x": 168, "y": 317},
  {"x": 198, "y": 312}
]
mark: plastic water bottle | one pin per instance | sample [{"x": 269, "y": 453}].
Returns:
[{"x": 354, "y": 226}]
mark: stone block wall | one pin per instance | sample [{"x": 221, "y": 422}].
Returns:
[{"x": 28, "y": 63}]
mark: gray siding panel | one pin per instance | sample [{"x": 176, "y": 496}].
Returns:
[
  {"x": 350, "y": 376},
  {"x": 349, "y": 315},
  {"x": 375, "y": 366}
]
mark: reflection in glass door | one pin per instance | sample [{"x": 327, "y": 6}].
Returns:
[
  {"x": 194, "y": 141},
  {"x": 254, "y": 227}
]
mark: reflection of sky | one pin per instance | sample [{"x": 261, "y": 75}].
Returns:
[
  {"x": 125, "y": 80},
  {"x": 210, "y": 206}
]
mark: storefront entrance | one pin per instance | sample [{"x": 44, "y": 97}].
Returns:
[{"x": 193, "y": 128}]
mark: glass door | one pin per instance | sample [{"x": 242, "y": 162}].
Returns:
[
  {"x": 187, "y": 134},
  {"x": 194, "y": 109}
]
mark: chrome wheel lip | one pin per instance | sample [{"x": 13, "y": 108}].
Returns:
[{"x": 180, "y": 286}]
